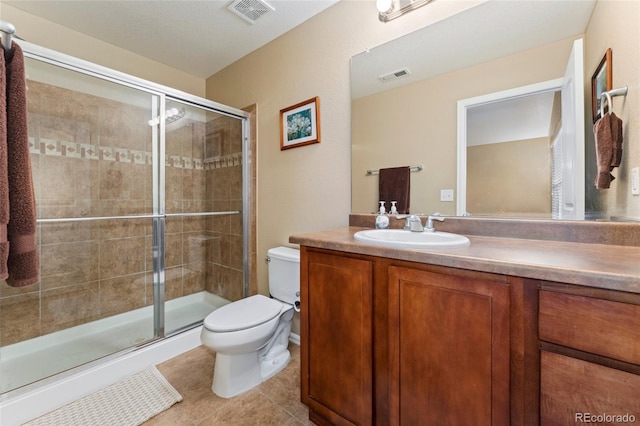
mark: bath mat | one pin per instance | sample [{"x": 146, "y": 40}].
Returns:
[{"x": 130, "y": 401}]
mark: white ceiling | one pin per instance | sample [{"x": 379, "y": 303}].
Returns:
[
  {"x": 197, "y": 37},
  {"x": 509, "y": 120}
]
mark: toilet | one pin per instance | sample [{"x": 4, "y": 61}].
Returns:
[{"x": 251, "y": 336}]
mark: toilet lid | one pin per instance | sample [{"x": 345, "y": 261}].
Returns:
[{"x": 244, "y": 313}]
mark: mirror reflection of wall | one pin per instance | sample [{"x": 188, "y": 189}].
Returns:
[
  {"x": 416, "y": 123},
  {"x": 509, "y": 179},
  {"x": 509, "y": 156}
]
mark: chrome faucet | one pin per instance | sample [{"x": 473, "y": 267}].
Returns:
[
  {"x": 412, "y": 222},
  {"x": 429, "y": 227}
]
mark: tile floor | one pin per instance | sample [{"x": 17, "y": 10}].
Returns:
[{"x": 274, "y": 402}]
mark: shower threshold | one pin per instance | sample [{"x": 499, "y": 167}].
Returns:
[{"x": 36, "y": 359}]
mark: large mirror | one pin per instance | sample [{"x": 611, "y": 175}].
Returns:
[{"x": 405, "y": 97}]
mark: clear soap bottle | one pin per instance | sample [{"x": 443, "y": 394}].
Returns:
[
  {"x": 382, "y": 220},
  {"x": 394, "y": 209}
]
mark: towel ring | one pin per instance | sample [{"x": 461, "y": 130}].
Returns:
[
  {"x": 622, "y": 91},
  {"x": 606, "y": 96}
]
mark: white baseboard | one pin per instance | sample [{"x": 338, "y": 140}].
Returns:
[{"x": 294, "y": 338}]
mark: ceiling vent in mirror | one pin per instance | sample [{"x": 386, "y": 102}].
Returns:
[
  {"x": 250, "y": 10},
  {"x": 394, "y": 75}
]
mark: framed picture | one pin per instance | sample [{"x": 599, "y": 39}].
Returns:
[
  {"x": 300, "y": 124},
  {"x": 601, "y": 82}
]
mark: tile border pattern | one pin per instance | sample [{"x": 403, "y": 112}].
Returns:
[{"x": 88, "y": 151}]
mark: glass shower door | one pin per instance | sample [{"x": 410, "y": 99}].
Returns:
[
  {"x": 92, "y": 153},
  {"x": 203, "y": 267}
]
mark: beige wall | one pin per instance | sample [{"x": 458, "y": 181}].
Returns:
[
  {"x": 427, "y": 132},
  {"x": 614, "y": 24},
  {"x": 308, "y": 188},
  {"x": 56, "y": 37}
]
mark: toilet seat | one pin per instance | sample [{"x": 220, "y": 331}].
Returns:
[{"x": 242, "y": 314}]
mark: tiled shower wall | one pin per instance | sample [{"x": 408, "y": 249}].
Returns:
[{"x": 92, "y": 157}]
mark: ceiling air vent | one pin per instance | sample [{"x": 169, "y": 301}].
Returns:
[
  {"x": 396, "y": 74},
  {"x": 250, "y": 10}
]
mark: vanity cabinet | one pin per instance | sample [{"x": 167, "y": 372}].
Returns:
[
  {"x": 394, "y": 342},
  {"x": 507, "y": 331},
  {"x": 399, "y": 343},
  {"x": 590, "y": 357}
]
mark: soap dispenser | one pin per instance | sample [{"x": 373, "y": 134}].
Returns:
[
  {"x": 394, "y": 209},
  {"x": 382, "y": 221}
]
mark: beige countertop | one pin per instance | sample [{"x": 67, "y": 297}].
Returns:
[{"x": 607, "y": 266}]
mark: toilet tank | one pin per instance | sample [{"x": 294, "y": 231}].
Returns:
[{"x": 284, "y": 273}]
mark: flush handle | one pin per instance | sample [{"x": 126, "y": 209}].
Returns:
[{"x": 296, "y": 304}]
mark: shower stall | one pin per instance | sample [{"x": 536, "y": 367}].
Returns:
[{"x": 141, "y": 194}]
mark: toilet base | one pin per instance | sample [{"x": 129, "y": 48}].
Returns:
[
  {"x": 235, "y": 374},
  {"x": 271, "y": 367}
]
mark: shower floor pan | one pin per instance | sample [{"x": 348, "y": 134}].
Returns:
[{"x": 35, "y": 359}]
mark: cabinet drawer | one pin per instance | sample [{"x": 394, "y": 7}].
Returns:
[
  {"x": 575, "y": 391},
  {"x": 602, "y": 327}
]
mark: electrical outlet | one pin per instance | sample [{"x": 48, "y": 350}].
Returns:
[
  {"x": 635, "y": 181},
  {"x": 446, "y": 195}
]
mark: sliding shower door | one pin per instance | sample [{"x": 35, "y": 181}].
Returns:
[
  {"x": 139, "y": 198},
  {"x": 92, "y": 153},
  {"x": 204, "y": 245}
]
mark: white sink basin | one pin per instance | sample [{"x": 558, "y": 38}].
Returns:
[{"x": 408, "y": 239}]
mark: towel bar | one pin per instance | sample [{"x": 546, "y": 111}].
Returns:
[
  {"x": 413, "y": 169},
  {"x": 8, "y": 31},
  {"x": 142, "y": 216}
]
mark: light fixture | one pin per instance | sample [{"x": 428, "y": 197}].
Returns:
[
  {"x": 391, "y": 9},
  {"x": 384, "y": 6}
]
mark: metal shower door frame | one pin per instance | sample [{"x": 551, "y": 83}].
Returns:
[{"x": 160, "y": 94}]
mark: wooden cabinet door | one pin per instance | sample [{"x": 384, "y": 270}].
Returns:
[
  {"x": 449, "y": 349},
  {"x": 336, "y": 344}
]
